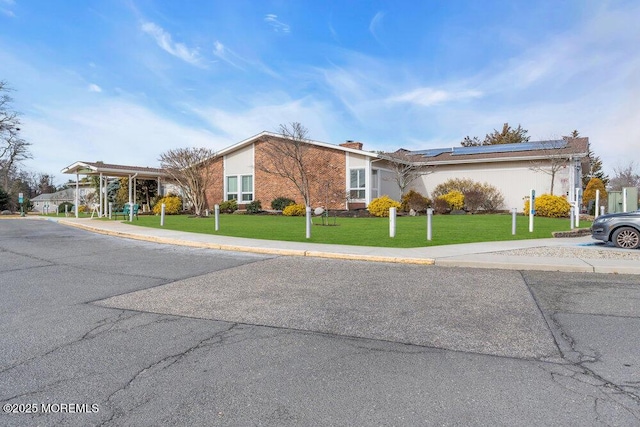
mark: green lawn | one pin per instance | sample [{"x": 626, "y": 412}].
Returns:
[{"x": 410, "y": 231}]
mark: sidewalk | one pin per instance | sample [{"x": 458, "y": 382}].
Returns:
[{"x": 574, "y": 254}]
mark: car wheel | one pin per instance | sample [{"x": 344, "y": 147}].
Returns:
[{"x": 626, "y": 238}]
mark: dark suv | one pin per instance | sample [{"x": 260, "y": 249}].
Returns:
[{"x": 623, "y": 229}]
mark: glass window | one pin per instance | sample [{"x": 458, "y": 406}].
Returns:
[
  {"x": 247, "y": 188},
  {"x": 357, "y": 184},
  {"x": 232, "y": 188}
]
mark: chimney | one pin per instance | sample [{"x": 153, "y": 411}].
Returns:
[{"x": 352, "y": 144}]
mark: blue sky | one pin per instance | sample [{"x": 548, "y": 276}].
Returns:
[{"x": 124, "y": 80}]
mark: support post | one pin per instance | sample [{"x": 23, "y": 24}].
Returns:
[
  {"x": 101, "y": 210},
  {"x": 577, "y": 208},
  {"x": 429, "y": 223},
  {"x": 392, "y": 222},
  {"x": 624, "y": 199},
  {"x": 216, "y": 214},
  {"x": 162, "y": 209},
  {"x": 532, "y": 208},
  {"x": 514, "y": 211},
  {"x": 77, "y": 195},
  {"x": 308, "y": 221},
  {"x": 110, "y": 209},
  {"x": 597, "y": 208}
]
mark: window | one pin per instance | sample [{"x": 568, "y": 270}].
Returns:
[
  {"x": 232, "y": 188},
  {"x": 247, "y": 188},
  {"x": 374, "y": 183},
  {"x": 244, "y": 193},
  {"x": 357, "y": 184}
]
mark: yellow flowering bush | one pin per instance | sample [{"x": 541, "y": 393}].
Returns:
[
  {"x": 381, "y": 205},
  {"x": 549, "y": 206},
  {"x": 172, "y": 203},
  {"x": 297, "y": 209},
  {"x": 454, "y": 198}
]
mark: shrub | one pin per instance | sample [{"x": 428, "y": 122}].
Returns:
[
  {"x": 295, "y": 210},
  {"x": 254, "y": 207},
  {"x": 440, "y": 206},
  {"x": 229, "y": 206},
  {"x": 61, "y": 207},
  {"x": 493, "y": 199},
  {"x": 455, "y": 199},
  {"x": 476, "y": 195},
  {"x": 281, "y": 202},
  {"x": 83, "y": 209},
  {"x": 549, "y": 206},
  {"x": 473, "y": 199},
  {"x": 172, "y": 203},
  {"x": 455, "y": 184},
  {"x": 590, "y": 192},
  {"x": 416, "y": 201},
  {"x": 381, "y": 205}
]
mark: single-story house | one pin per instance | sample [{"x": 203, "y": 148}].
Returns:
[
  {"x": 344, "y": 176},
  {"x": 49, "y": 202}
]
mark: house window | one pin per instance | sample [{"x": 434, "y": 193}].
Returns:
[
  {"x": 247, "y": 188},
  {"x": 356, "y": 184},
  {"x": 242, "y": 192},
  {"x": 374, "y": 184},
  {"x": 232, "y": 188}
]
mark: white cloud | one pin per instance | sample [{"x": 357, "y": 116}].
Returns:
[
  {"x": 111, "y": 130},
  {"x": 94, "y": 88},
  {"x": 427, "y": 97},
  {"x": 278, "y": 27},
  {"x": 226, "y": 55},
  {"x": 165, "y": 41}
]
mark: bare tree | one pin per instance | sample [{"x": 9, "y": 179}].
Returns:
[
  {"x": 625, "y": 176},
  {"x": 552, "y": 163},
  {"x": 13, "y": 149},
  {"x": 405, "y": 169},
  {"x": 289, "y": 157},
  {"x": 188, "y": 169}
]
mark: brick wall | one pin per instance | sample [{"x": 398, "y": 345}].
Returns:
[
  {"x": 214, "y": 192},
  {"x": 325, "y": 169}
]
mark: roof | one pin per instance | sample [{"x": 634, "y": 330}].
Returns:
[
  {"x": 66, "y": 194},
  {"x": 96, "y": 168},
  {"x": 267, "y": 135},
  {"x": 535, "y": 150}
]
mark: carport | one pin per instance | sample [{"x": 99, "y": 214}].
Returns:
[{"x": 105, "y": 171}]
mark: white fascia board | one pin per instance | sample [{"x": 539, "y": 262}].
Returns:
[
  {"x": 500, "y": 159},
  {"x": 252, "y": 139}
]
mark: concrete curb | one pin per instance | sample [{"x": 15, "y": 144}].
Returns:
[{"x": 251, "y": 249}]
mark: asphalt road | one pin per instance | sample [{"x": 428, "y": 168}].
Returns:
[{"x": 98, "y": 330}]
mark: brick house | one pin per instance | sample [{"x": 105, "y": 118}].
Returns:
[
  {"x": 345, "y": 176},
  {"x": 338, "y": 174}
]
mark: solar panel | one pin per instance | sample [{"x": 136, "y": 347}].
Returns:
[
  {"x": 432, "y": 152},
  {"x": 510, "y": 148}
]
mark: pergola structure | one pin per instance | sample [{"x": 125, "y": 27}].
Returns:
[{"x": 105, "y": 171}]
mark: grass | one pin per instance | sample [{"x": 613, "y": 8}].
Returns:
[{"x": 410, "y": 232}]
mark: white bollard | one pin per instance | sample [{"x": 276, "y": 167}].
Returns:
[
  {"x": 597, "y": 203},
  {"x": 308, "y": 222},
  {"x": 532, "y": 208},
  {"x": 513, "y": 221},
  {"x": 571, "y": 213},
  {"x": 110, "y": 209},
  {"x": 162, "y": 208},
  {"x": 392, "y": 222},
  {"x": 216, "y": 215},
  {"x": 429, "y": 218},
  {"x": 577, "y": 208}
]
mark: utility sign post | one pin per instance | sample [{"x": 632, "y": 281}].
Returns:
[
  {"x": 20, "y": 202},
  {"x": 532, "y": 209}
]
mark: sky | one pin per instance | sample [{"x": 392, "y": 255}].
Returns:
[{"x": 122, "y": 81}]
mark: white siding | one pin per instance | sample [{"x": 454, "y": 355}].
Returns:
[
  {"x": 513, "y": 179},
  {"x": 239, "y": 162}
]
